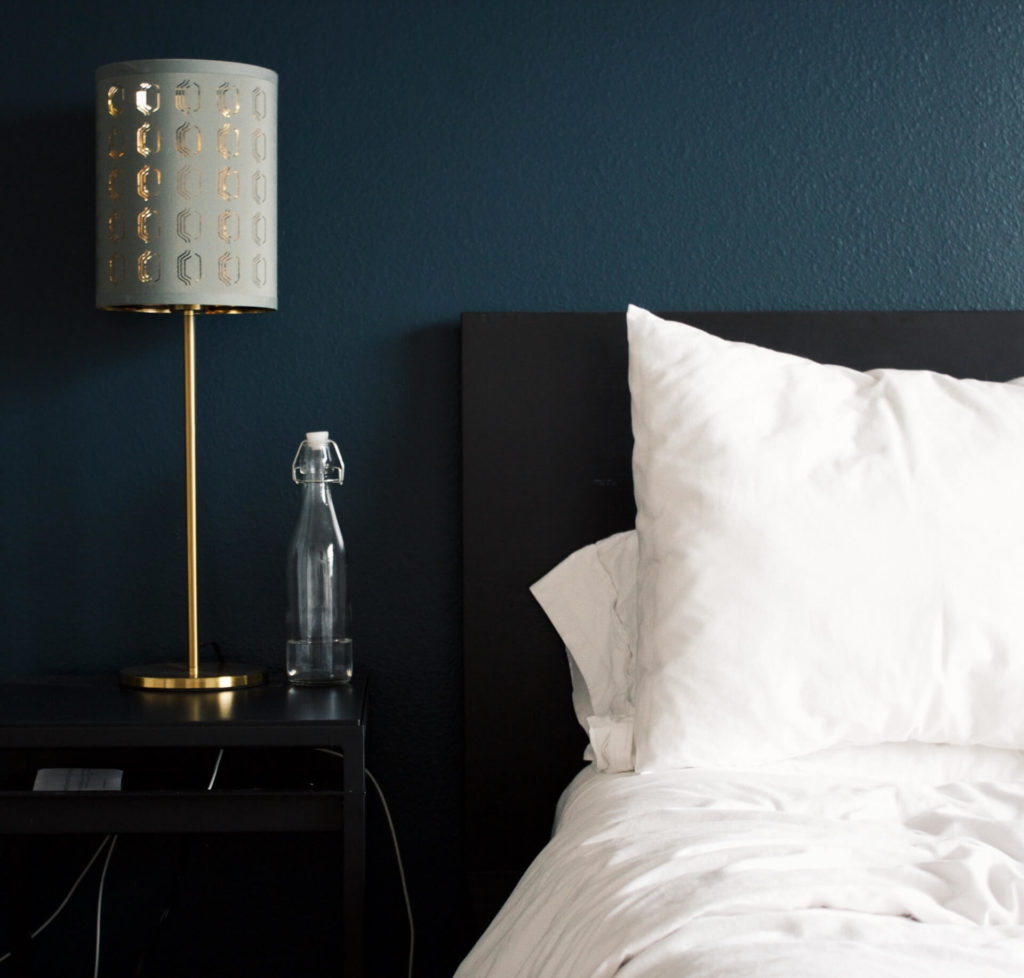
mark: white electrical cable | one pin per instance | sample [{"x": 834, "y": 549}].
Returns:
[
  {"x": 99, "y": 899},
  {"x": 398, "y": 855},
  {"x": 216, "y": 768},
  {"x": 401, "y": 870},
  {"x": 74, "y": 886},
  {"x": 99, "y": 905}
]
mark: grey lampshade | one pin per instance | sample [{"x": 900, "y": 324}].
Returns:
[{"x": 186, "y": 185}]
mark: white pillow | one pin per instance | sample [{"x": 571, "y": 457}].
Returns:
[
  {"x": 587, "y": 604},
  {"x": 601, "y": 578},
  {"x": 827, "y": 557}
]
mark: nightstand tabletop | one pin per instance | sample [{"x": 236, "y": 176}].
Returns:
[{"x": 96, "y": 712}]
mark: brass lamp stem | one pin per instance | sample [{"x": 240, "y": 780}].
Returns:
[
  {"x": 192, "y": 676},
  {"x": 190, "y": 493}
]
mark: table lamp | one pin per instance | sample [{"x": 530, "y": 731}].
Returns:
[{"x": 186, "y": 221}]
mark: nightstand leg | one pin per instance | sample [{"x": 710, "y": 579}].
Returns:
[{"x": 354, "y": 849}]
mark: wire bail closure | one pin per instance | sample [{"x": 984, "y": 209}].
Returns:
[{"x": 339, "y": 469}]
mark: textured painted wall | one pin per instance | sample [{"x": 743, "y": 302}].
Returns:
[{"x": 435, "y": 157}]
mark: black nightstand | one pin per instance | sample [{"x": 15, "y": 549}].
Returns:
[{"x": 161, "y": 739}]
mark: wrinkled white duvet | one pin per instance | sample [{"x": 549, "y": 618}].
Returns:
[{"x": 696, "y": 874}]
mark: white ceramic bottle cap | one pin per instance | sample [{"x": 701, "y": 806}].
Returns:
[{"x": 317, "y": 439}]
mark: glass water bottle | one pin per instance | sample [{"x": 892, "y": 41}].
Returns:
[{"x": 319, "y": 648}]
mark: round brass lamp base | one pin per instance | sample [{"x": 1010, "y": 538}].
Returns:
[{"x": 176, "y": 676}]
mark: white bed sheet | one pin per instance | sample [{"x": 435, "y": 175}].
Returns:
[{"x": 698, "y": 874}]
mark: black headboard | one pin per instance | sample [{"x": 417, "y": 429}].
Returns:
[{"x": 546, "y": 469}]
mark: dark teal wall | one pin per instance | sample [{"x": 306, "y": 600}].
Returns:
[{"x": 436, "y": 157}]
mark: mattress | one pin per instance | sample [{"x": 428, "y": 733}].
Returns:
[{"x": 732, "y": 874}]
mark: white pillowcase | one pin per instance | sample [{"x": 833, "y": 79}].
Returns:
[
  {"x": 590, "y": 598},
  {"x": 826, "y": 557},
  {"x": 601, "y": 578}
]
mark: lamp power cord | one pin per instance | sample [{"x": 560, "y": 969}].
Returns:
[{"x": 398, "y": 855}]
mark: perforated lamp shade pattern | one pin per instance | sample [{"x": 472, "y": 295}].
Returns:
[{"x": 186, "y": 186}]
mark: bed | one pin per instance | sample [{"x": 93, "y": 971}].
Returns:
[{"x": 786, "y": 739}]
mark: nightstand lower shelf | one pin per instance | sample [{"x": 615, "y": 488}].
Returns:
[{"x": 101, "y": 812}]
